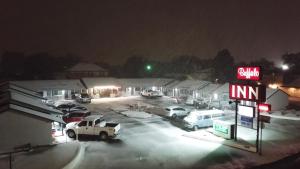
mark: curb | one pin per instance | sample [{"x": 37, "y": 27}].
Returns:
[{"x": 75, "y": 161}]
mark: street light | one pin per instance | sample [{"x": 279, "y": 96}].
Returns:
[
  {"x": 285, "y": 67},
  {"x": 148, "y": 67}
]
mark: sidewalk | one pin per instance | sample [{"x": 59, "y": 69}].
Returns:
[
  {"x": 276, "y": 145},
  {"x": 50, "y": 157}
]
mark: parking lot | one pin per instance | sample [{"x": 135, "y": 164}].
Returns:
[
  {"x": 148, "y": 139},
  {"x": 151, "y": 142}
]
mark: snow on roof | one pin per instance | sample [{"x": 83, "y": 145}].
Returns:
[
  {"x": 25, "y": 91},
  {"x": 50, "y": 117},
  {"x": 270, "y": 92},
  {"x": 222, "y": 88},
  {"x": 101, "y": 81},
  {"x": 210, "y": 88},
  {"x": 40, "y": 85},
  {"x": 144, "y": 82},
  {"x": 173, "y": 83},
  {"x": 34, "y": 102},
  {"x": 191, "y": 84},
  {"x": 86, "y": 67}
]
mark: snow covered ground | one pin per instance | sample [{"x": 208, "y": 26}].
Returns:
[
  {"x": 150, "y": 141},
  {"x": 136, "y": 114}
]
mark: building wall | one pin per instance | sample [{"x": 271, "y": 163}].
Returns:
[
  {"x": 278, "y": 101},
  {"x": 17, "y": 128}
]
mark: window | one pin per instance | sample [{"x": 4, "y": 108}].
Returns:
[
  {"x": 98, "y": 121},
  {"x": 83, "y": 123},
  {"x": 180, "y": 109},
  {"x": 216, "y": 115},
  {"x": 90, "y": 123},
  {"x": 57, "y": 92},
  {"x": 207, "y": 117},
  {"x": 199, "y": 118}
]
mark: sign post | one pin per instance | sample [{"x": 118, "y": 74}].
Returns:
[
  {"x": 257, "y": 131},
  {"x": 254, "y": 93},
  {"x": 263, "y": 108},
  {"x": 235, "y": 127}
]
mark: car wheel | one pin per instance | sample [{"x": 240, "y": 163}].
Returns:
[
  {"x": 71, "y": 134},
  {"x": 174, "y": 116},
  {"x": 103, "y": 136},
  {"x": 196, "y": 128}
]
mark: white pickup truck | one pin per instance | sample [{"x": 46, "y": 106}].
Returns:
[{"x": 95, "y": 126}]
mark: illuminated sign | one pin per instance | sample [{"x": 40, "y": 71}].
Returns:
[
  {"x": 248, "y": 73},
  {"x": 246, "y": 111},
  {"x": 224, "y": 129},
  {"x": 247, "y": 92},
  {"x": 221, "y": 128},
  {"x": 264, "y": 107}
]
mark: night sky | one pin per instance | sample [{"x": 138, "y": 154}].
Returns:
[{"x": 113, "y": 30}]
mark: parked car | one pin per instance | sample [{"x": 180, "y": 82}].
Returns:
[
  {"x": 78, "y": 108},
  {"x": 176, "y": 111},
  {"x": 75, "y": 116},
  {"x": 65, "y": 107},
  {"x": 93, "y": 126},
  {"x": 202, "y": 118},
  {"x": 150, "y": 93},
  {"x": 84, "y": 98}
]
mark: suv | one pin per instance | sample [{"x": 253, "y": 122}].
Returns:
[
  {"x": 84, "y": 98},
  {"x": 176, "y": 111}
]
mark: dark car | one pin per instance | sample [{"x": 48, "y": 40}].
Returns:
[
  {"x": 66, "y": 107},
  {"x": 78, "y": 108}
]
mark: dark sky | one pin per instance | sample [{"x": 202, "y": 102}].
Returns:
[{"x": 161, "y": 29}]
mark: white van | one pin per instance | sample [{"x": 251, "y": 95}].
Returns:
[{"x": 202, "y": 118}]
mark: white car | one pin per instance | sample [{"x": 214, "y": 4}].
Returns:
[
  {"x": 84, "y": 98},
  {"x": 150, "y": 93},
  {"x": 176, "y": 111}
]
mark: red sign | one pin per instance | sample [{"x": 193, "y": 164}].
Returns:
[
  {"x": 248, "y": 73},
  {"x": 264, "y": 107},
  {"x": 247, "y": 92}
]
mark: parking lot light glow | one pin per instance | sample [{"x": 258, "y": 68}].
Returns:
[
  {"x": 215, "y": 96},
  {"x": 148, "y": 67},
  {"x": 285, "y": 67}
]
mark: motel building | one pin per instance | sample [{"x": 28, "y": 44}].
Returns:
[
  {"x": 113, "y": 87},
  {"x": 25, "y": 119},
  {"x": 54, "y": 89}
]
